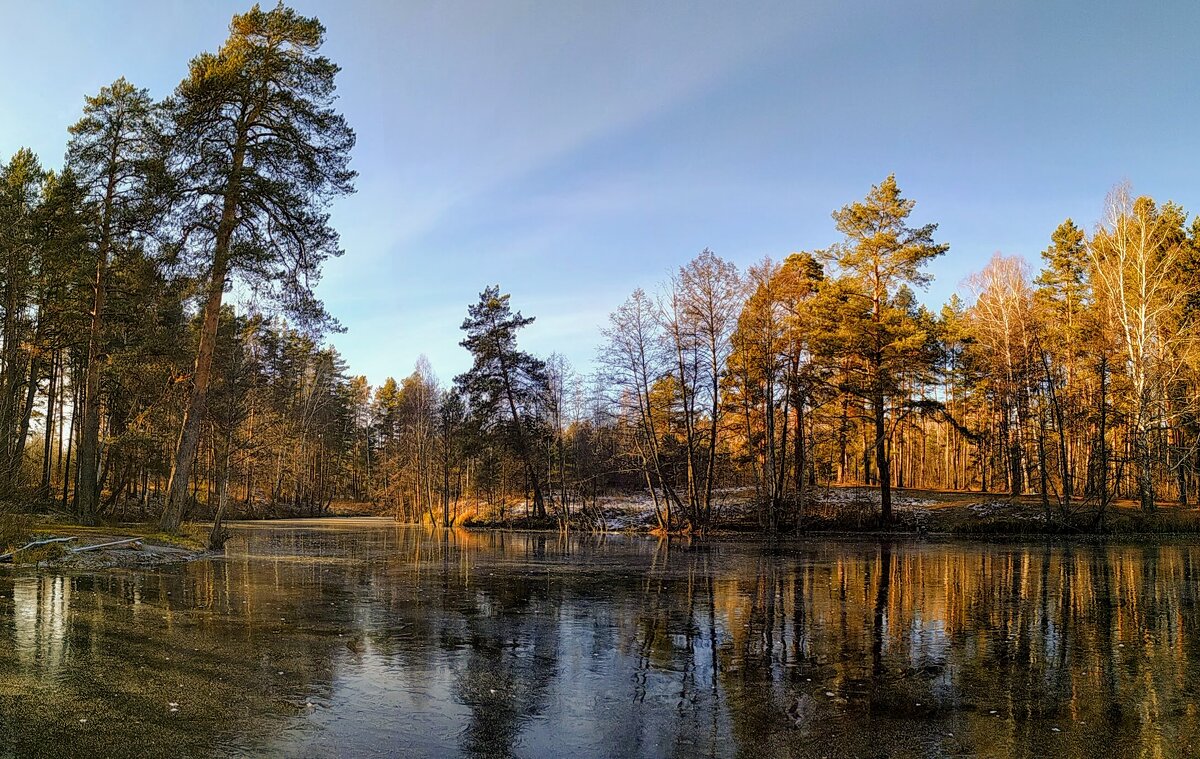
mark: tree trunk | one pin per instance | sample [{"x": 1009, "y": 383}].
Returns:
[
  {"x": 89, "y": 438},
  {"x": 193, "y": 415},
  {"x": 882, "y": 465},
  {"x": 48, "y": 441}
]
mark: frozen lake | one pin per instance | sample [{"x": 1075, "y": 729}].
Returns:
[{"x": 362, "y": 638}]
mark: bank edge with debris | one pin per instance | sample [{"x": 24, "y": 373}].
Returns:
[{"x": 74, "y": 546}]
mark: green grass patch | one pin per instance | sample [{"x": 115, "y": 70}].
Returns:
[{"x": 192, "y": 537}]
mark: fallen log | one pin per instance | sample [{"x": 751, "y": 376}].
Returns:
[
  {"x": 9, "y": 556},
  {"x": 137, "y": 543}
]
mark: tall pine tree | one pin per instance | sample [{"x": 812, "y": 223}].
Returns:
[
  {"x": 257, "y": 152},
  {"x": 878, "y": 338},
  {"x": 506, "y": 386}
]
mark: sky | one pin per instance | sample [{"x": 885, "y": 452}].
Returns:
[{"x": 573, "y": 151}]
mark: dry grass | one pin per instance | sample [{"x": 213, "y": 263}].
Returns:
[{"x": 15, "y": 530}]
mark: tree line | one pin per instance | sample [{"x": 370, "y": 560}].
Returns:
[
  {"x": 1075, "y": 386},
  {"x": 162, "y": 348},
  {"x": 116, "y": 335}
]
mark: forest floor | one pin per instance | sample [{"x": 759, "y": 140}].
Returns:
[{"x": 986, "y": 514}]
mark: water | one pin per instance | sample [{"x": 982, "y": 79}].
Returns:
[{"x": 367, "y": 639}]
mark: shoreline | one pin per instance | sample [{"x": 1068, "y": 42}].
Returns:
[
  {"x": 746, "y": 532},
  {"x": 733, "y": 534},
  {"x": 925, "y": 516},
  {"x": 118, "y": 546}
]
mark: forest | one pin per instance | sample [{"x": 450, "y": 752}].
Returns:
[{"x": 164, "y": 354}]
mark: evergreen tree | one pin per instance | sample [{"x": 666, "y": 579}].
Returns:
[
  {"x": 21, "y": 183},
  {"x": 505, "y": 386},
  {"x": 1062, "y": 293},
  {"x": 110, "y": 152},
  {"x": 875, "y": 336},
  {"x": 257, "y": 152}
]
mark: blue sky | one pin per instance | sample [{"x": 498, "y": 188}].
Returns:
[{"x": 572, "y": 151}]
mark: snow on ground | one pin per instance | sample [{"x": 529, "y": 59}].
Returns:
[{"x": 635, "y": 511}]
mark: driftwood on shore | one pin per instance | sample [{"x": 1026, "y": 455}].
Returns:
[
  {"x": 124, "y": 542},
  {"x": 136, "y": 543}
]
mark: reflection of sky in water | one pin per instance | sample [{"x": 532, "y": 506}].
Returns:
[{"x": 378, "y": 640}]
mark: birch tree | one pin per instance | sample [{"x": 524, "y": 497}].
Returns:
[
  {"x": 1135, "y": 256},
  {"x": 699, "y": 314}
]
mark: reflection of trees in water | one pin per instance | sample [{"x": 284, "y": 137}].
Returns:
[
  {"x": 123, "y": 646},
  {"x": 510, "y": 662},
  {"x": 527, "y": 643},
  {"x": 1096, "y": 642},
  {"x": 499, "y": 637},
  {"x": 595, "y": 643},
  {"x": 724, "y": 645},
  {"x": 674, "y": 705}
]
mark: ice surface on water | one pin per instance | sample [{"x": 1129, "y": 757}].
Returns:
[{"x": 360, "y": 638}]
